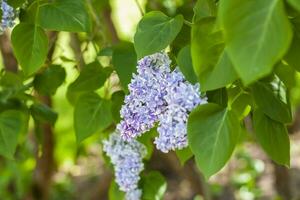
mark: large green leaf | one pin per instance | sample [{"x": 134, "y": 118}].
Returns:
[
  {"x": 210, "y": 61},
  {"x": 91, "y": 114},
  {"x": 154, "y": 186},
  {"x": 257, "y": 34},
  {"x": 184, "y": 61},
  {"x": 273, "y": 137},
  {"x": 30, "y": 44},
  {"x": 117, "y": 99},
  {"x": 64, "y": 15},
  {"x": 270, "y": 103},
  {"x": 124, "y": 61},
  {"x": 213, "y": 132},
  {"x": 15, "y": 3},
  {"x": 295, "y": 4},
  {"x": 201, "y": 10},
  {"x": 184, "y": 155},
  {"x": 43, "y": 113},
  {"x": 155, "y": 32},
  {"x": 12, "y": 124},
  {"x": 47, "y": 82}
]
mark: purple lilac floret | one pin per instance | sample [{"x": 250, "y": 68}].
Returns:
[
  {"x": 8, "y": 16},
  {"x": 127, "y": 159},
  {"x": 159, "y": 95}
]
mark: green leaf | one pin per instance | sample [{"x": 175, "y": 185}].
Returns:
[
  {"x": 295, "y": 4},
  {"x": 15, "y": 3},
  {"x": 273, "y": 137},
  {"x": 257, "y": 34},
  {"x": 154, "y": 186},
  {"x": 91, "y": 78},
  {"x": 91, "y": 114},
  {"x": 47, "y": 82},
  {"x": 64, "y": 15},
  {"x": 293, "y": 54},
  {"x": 218, "y": 96},
  {"x": 12, "y": 124},
  {"x": 184, "y": 155},
  {"x": 42, "y": 113},
  {"x": 117, "y": 99},
  {"x": 286, "y": 74},
  {"x": 213, "y": 132},
  {"x": 270, "y": 103},
  {"x": 201, "y": 10},
  {"x": 30, "y": 44},
  {"x": 124, "y": 61},
  {"x": 184, "y": 61},
  {"x": 210, "y": 61},
  {"x": 155, "y": 32},
  {"x": 114, "y": 193}
]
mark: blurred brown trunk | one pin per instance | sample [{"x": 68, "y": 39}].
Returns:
[{"x": 9, "y": 60}]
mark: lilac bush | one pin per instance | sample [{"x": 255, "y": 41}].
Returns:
[
  {"x": 159, "y": 95},
  {"x": 127, "y": 159}
]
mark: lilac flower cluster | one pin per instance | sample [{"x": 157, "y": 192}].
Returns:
[
  {"x": 158, "y": 94},
  {"x": 8, "y": 16},
  {"x": 127, "y": 158}
]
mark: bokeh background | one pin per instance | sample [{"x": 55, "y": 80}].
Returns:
[{"x": 79, "y": 171}]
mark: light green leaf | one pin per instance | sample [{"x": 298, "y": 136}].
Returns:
[
  {"x": 184, "y": 155},
  {"x": 257, "y": 34},
  {"x": 64, "y": 15},
  {"x": 213, "y": 132},
  {"x": 114, "y": 192},
  {"x": 273, "y": 137},
  {"x": 124, "y": 61},
  {"x": 184, "y": 61},
  {"x": 154, "y": 186},
  {"x": 201, "y": 10},
  {"x": 91, "y": 114},
  {"x": 155, "y": 32},
  {"x": 210, "y": 61},
  {"x": 293, "y": 54},
  {"x": 270, "y": 103},
  {"x": 30, "y": 44},
  {"x": 12, "y": 124}
]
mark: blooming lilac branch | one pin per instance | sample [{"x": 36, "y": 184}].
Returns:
[{"x": 159, "y": 95}]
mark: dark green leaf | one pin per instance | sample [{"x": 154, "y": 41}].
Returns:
[
  {"x": 47, "y": 82},
  {"x": 293, "y": 54},
  {"x": 92, "y": 77},
  {"x": 154, "y": 186},
  {"x": 257, "y": 34},
  {"x": 30, "y": 44},
  {"x": 213, "y": 132},
  {"x": 91, "y": 114},
  {"x": 184, "y": 61},
  {"x": 15, "y": 3},
  {"x": 295, "y": 4},
  {"x": 210, "y": 61},
  {"x": 270, "y": 103},
  {"x": 12, "y": 124},
  {"x": 273, "y": 137},
  {"x": 117, "y": 99},
  {"x": 64, "y": 15},
  {"x": 155, "y": 32},
  {"x": 286, "y": 74},
  {"x": 42, "y": 113},
  {"x": 218, "y": 96},
  {"x": 124, "y": 61}
]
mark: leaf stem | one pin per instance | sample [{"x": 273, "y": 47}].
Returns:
[
  {"x": 139, "y": 7},
  {"x": 190, "y": 24}
]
